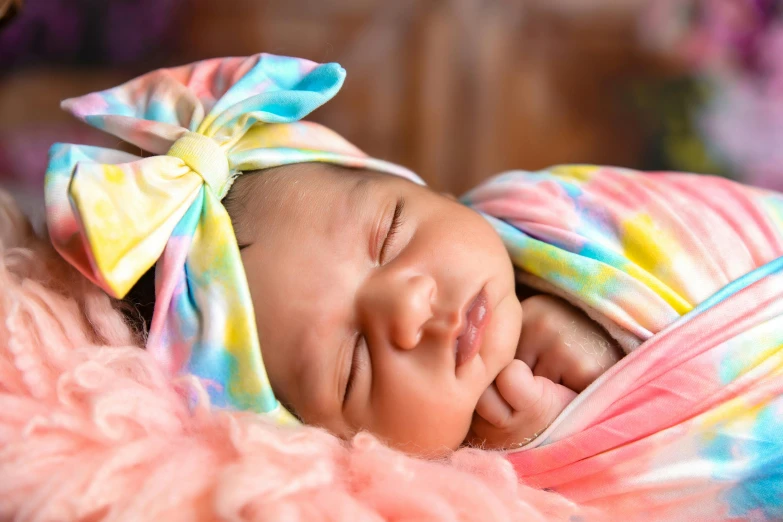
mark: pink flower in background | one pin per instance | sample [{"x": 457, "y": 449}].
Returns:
[{"x": 735, "y": 48}]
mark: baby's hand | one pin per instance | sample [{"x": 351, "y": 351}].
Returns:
[
  {"x": 560, "y": 352},
  {"x": 516, "y": 408},
  {"x": 561, "y": 343}
]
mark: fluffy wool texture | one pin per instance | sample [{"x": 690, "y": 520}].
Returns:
[{"x": 91, "y": 429}]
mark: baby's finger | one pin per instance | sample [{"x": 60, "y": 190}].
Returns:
[
  {"x": 517, "y": 386},
  {"x": 578, "y": 377},
  {"x": 551, "y": 365},
  {"x": 536, "y": 400},
  {"x": 493, "y": 408}
]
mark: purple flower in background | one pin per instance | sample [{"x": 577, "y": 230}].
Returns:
[
  {"x": 129, "y": 34},
  {"x": 710, "y": 33},
  {"x": 735, "y": 30},
  {"x": 735, "y": 48},
  {"x": 116, "y": 32},
  {"x": 139, "y": 27},
  {"x": 50, "y": 29}
]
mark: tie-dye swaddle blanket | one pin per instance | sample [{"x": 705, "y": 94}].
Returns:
[{"x": 686, "y": 272}]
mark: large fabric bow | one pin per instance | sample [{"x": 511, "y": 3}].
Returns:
[{"x": 114, "y": 215}]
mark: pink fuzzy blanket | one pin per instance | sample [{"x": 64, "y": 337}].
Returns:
[{"x": 91, "y": 430}]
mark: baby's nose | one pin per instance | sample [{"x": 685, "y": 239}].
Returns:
[
  {"x": 399, "y": 308},
  {"x": 414, "y": 309}
]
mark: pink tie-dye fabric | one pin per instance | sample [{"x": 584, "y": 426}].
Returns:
[{"x": 687, "y": 271}]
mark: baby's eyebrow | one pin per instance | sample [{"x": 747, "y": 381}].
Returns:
[{"x": 360, "y": 191}]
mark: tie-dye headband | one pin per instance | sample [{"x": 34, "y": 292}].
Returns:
[{"x": 114, "y": 215}]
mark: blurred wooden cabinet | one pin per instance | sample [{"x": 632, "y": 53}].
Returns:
[{"x": 455, "y": 89}]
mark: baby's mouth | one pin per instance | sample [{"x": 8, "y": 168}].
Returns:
[{"x": 476, "y": 319}]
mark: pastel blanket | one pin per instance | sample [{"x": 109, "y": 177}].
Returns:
[{"x": 686, "y": 273}]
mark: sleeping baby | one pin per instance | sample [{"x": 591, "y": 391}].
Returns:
[
  {"x": 621, "y": 332},
  {"x": 297, "y": 277},
  {"x": 394, "y": 311}
]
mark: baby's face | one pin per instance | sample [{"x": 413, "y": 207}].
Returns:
[{"x": 381, "y": 305}]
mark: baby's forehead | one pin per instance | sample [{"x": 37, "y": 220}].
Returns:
[
  {"x": 284, "y": 183},
  {"x": 285, "y": 198},
  {"x": 304, "y": 186}
]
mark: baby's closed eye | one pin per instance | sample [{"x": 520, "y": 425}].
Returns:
[{"x": 358, "y": 362}]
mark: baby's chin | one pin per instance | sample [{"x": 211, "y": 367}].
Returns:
[{"x": 434, "y": 448}]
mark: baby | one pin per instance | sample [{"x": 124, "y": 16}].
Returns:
[
  {"x": 382, "y": 305},
  {"x": 378, "y": 304}
]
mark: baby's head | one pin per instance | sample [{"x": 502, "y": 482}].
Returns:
[
  {"x": 378, "y": 304},
  {"x": 367, "y": 290}
]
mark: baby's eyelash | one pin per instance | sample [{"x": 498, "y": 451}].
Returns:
[
  {"x": 393, "y": 227},
  {"x": 354, "y": 367}
]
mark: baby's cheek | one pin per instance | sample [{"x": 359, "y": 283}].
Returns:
[
  {"x": 428, "y": 424},
  {"x": 501, "y": 339}
]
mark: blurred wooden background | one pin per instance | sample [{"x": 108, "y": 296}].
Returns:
[{"x": 455, "y": 89}]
